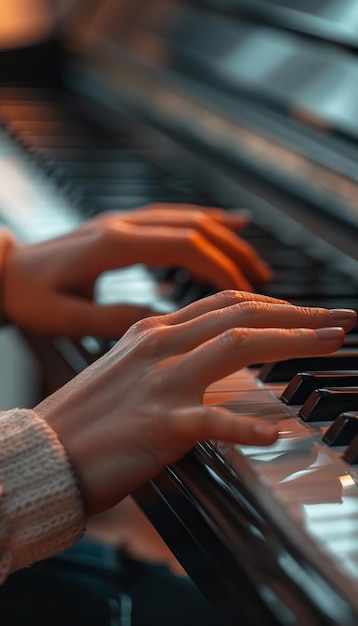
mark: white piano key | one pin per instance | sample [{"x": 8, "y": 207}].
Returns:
[
  {"x": 133, "y": 285},
  {"x": 29, "y": 202},
  {"x": 306, "y": 482}
]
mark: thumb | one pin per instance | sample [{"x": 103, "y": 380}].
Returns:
[{"x": 111, "y": 322}]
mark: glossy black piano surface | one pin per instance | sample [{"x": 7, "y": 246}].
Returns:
[{"x": 232, "y": 104}]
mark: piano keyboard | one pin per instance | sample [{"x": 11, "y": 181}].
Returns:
[
  {"x": 304, "y": 485},
  {"x": 312, "y": 483}
]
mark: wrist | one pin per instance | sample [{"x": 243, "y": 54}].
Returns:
[{"x": 8, "y": 242}]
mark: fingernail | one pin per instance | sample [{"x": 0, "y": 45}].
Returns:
[
  {"x": 344, "y": 317},
  {"x": 342, "y": 313},
  {"x": 329, "y": 334}
]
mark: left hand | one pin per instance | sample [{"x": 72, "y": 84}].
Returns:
[{"x": 48, "y": 287}]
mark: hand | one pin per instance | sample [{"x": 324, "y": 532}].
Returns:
[
  {"x": 48, "y": 287},
  {"x": 140, "y": 407},
  {"x": 202, "y": 240}
]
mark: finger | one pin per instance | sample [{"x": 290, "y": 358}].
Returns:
[
  {"x": 217, "y": 301},
  {"x": 179, "y": 247},
  {"x": 220, "y": 424},
  {"x": 239, "y": 347},
  {"x": 112, "y": 322},
  {"x": 173, "y": 214},
  {"x": 209, "y": 264},
  {"x": 76, "y": 318},
  {"x": 239, "y": 250},
  {"x": 256, "y": 314},
  {"x": 235, "y": 219},
  {"x": 92, "y": 252},
  {"x": 215, "y": 225}
]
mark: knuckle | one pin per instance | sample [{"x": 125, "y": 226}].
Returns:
[
  {"x": 310, "y": 316},
  {"x": 316, "y": 314},
  {"x": 231, "y": 293},
  {"x": 202, "y": 219},
  {"x": 151, "y": 336},
  {"x": 101, "y": 234},
  {"x": 142, "y": 326},
  {"x": 253, "y": 307},
  {"x": 194, "y": 239},
  {"x": 234, "y": 337},
  {"x": 237, "y": 296},
  {"x": 297, "y": 333},
  {"x": 225, "y": 298}
]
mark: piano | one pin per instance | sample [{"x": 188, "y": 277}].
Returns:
[{"x": 227, "y": 103}]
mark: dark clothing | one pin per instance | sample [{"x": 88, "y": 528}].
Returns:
[{"x": 93, "y": 585}]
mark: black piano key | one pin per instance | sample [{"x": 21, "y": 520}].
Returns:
[
  {"x": 351, "y": 339},
  {"x": 62, "y": 141},
  {"x": 324, "y": 405},
  {"x": 343, "y": 430},
  {"x": 304, "y": 383},
  {"x": 278, "y": 256},
  {"x": 87, "y": 155},
  {"x": 311, "y": 289},
  {"x": 107, "y": 189},
  {"x": 92, "y": 172},
  {"x": 351, "y": 453},
  {"x": 330, "y": 301},
  {"x": 282, "y": 371}
]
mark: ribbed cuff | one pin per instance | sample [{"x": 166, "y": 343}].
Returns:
[{"x": 41, "y": 509}]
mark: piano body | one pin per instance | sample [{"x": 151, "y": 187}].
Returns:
[{"x": 228, "y": 103}]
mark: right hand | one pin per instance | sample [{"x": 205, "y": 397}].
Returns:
[{"x": 140, "y": 407}]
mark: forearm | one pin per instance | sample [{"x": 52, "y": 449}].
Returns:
[{"x": 41, "y": 509}]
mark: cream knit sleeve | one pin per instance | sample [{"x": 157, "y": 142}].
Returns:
[{"x": 41, "y": 510}]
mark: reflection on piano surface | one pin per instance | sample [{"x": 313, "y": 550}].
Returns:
[{"x": 235, "y": 104}]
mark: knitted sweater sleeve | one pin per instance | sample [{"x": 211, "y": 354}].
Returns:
[{"x": 41, "y": 510}]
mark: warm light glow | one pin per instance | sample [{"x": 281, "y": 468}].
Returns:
[
  {"x": 23, "y": 22},
  {"x": 347, "y": 480}
]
